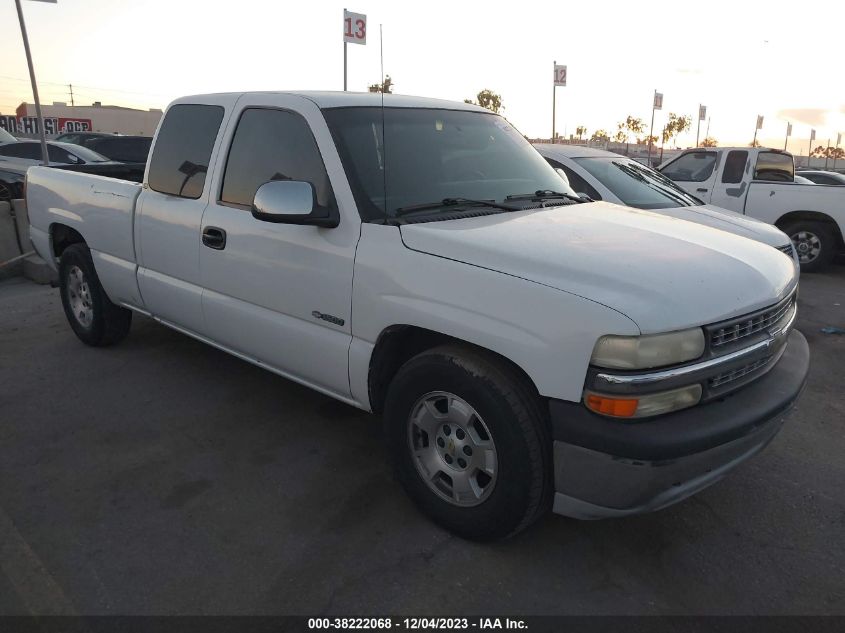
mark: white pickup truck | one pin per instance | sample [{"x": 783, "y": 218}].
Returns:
[
  {"x": 760, "y": 183},
  {"x": 527, "y": 349}
]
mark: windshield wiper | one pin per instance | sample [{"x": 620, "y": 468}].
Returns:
[
  {"x": 451, "y": 202},
  {"x": 545, "y": 194}
]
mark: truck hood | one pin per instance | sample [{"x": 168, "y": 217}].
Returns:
[
  {"x": 731, "y": 221},
  {"x": 662, "y": 272}
]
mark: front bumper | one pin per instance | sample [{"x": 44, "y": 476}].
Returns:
[{"x": 604, "y": 467}]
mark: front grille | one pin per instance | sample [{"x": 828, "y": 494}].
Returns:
[
  {"x": 788, "y": 249},
  {"x": 739, "y": 328},
  {"x": 735, "y": 374}
]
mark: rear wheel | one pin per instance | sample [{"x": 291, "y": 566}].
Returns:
[
  {"x": 92, "y": 316},
  {"x": 815, "y": 243},
  {"x": 470, "y": 442}
]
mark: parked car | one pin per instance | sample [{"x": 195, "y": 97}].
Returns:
[
  {"x": 760, "y": 183},
  {"x": 126, "y": 149},
  {"x": 527, "y": 350},
  {"x": 119, "y": 147},
  {"x": 11, "y": 183},
  {"x": 28, "y": 152},
  {"x": 5, "y": 137},
  {"x": 822, "y": 177},
  {"x": 81, "y": 138},
  {"x": 604, "y": 175},
  {"x": 13, "y": 175},
  {"x": 802, "y": 181}
]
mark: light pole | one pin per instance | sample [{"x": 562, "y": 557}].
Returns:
[{"x": 45, "y": 157}]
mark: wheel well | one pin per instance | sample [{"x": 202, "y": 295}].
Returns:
[
  {"x": 809, "y": 216},
  {"x": 397, "y": 344},
  {"x": 63, "y": 236}
]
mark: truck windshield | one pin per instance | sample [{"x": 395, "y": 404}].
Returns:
[
  {"x": 422, "y": 155},
  {"x": 636, "y": 185}
]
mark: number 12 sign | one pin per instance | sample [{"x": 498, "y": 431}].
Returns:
[
  {"x": 560, "y": 75},
  {"x": 354, "y": 27}
]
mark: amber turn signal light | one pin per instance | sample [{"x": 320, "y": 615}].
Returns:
[{"x": 617, "y": 407}]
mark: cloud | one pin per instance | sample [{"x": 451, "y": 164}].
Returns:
[
  {"x": 808, "y": 116},
  {"x": 689, "y": 71}
]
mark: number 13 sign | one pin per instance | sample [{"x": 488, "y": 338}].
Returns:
[
  {"x": 560, "y": 75},
  {"x": 354, "y": 27}
]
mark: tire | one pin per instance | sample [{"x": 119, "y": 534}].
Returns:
[
  {"x": 92, "y": 316},
  {"x": 815, "y": 243},
  {"x": 475, "y": 395}
]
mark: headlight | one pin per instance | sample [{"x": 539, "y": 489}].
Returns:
[{"x": 652, "y": 350}]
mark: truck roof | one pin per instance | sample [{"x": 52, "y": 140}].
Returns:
[{"x": 337, "y": 99}]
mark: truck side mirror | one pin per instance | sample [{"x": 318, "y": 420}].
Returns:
[
  {"x": 290, "y": 202},
  {"x": 562, "y": 174}
]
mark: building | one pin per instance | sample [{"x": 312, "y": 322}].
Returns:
[{"x": 61, "y": 117}]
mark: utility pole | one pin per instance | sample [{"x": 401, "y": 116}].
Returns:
[
  {"x": 45, "y": 158},
  {"x": 71, "y": 94}
]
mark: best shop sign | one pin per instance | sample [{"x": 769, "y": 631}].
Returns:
[{"x": 52, "y": 125}]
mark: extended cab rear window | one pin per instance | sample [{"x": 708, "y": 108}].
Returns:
[
  {"x": 183, "y": 147},
  {"x": 774, "y": 166}
]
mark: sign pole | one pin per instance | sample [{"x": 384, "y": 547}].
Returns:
[
  {"x": 698, "y": 127},
  {"x": 838, "y": 141},
  {"x": 827, "y": 153},
  {"x": 554, "y": 108},
  {"x": 45, "y": 158},
  {"x": 651, "y": 128},
  {"x": 786, "y": 138},
  {"x": 344, "y": 51}
]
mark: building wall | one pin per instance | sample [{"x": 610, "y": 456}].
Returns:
[{"x": 109, "y": 119}]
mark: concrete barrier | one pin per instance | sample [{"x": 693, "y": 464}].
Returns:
[
  {"x": 14, "y": 241},
  {"x": 9, "y": 242}
]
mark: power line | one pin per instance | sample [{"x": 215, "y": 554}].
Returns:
[{"x": 55, "y": 83}]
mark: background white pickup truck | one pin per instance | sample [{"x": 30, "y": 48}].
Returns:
[
  {"x": 527, "y": 350},
  {"x": 759, "y": 183}
]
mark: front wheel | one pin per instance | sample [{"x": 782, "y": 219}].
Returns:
[
  {"x": 92, "y": 316},
  {"x": 815, "y": 243},
  {"x": 470, "y": 442}
]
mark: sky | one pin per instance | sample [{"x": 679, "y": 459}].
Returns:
[{"x": 739, "y": 58}]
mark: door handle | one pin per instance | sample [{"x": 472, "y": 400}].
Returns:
[
  {"x": 214, "y": 238},
  {"x": 702, "y": 190}
]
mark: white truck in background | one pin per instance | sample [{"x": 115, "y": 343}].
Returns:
[
  {"x": 759, "y": 183},
  {"x": 527, "y": 349}
]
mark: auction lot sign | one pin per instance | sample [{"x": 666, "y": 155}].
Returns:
[{"x": 52, "y": 125}]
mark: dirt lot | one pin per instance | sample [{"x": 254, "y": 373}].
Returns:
[{"x": 163, "y": 476}]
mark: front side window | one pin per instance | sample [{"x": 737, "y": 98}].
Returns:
[
  {"x": 635, "y": 184},
  {"x": 273, "y": 145},
  {"x": 59, "y": 155},
  {"x": 426, "y": 155},
  {"x": 183, "y": 149},
  {"x": 774, "y": 166},
  {"x": 691, "y": 167},
  {"x": 735, "y": 166}
]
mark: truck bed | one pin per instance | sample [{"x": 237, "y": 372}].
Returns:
[
  {"x": 769, "y": 201},
  {"x": 99, "y": 208}
]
